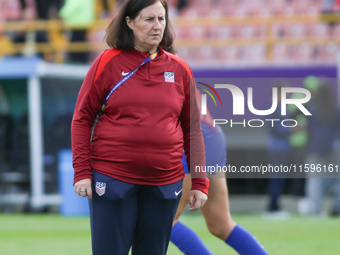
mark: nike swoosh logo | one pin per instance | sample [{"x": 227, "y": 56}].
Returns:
[
  {"x": 123, "y": 73},
  {"x": 177, "y": 193}
]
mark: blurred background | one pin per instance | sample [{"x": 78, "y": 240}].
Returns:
[{"x": 46, "y": 47}]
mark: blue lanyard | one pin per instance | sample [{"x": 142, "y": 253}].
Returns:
[
  {"x": 115, "y": 87},
  {"x": 124, "y": 79}
]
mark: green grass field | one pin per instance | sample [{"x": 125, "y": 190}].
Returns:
[{"x": 54, "y": 234}]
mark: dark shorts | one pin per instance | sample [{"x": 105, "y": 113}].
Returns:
[{"x": 125, "y": 215}]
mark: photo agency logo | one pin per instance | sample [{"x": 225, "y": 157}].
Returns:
[
  {"x": 204, "y": 97},
  {"x": 280, "y": 97}
]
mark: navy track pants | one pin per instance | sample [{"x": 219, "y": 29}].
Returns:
[{"x": 125, "y": 215}]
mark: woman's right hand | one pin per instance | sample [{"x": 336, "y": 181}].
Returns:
[{"x": 83, "y": 188}]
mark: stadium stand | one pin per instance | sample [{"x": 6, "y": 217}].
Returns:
[{"x": 271, "y": 32}]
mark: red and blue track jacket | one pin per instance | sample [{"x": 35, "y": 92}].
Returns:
[{"x": 146, "y": 122}]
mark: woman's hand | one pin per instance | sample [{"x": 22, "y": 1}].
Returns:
[
  {"x": 83, "y": 188},
  {"x": 197, "y": 199}
]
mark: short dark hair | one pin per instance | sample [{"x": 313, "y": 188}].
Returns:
[{"x": 120, "y": 36}]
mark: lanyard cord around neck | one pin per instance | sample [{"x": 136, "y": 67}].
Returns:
[
  {"x": 118, "y": 84},
  {"x": 125, "y": 78}
]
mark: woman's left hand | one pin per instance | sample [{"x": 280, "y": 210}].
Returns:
[{"x": 197, "y": 199}]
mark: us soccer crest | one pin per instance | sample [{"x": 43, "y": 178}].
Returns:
[
  {"x": 169, "y": 76},
  {"x": 100, "y": 188}
]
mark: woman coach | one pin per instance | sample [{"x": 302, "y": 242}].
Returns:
[{"x": 136, "y": 101}]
